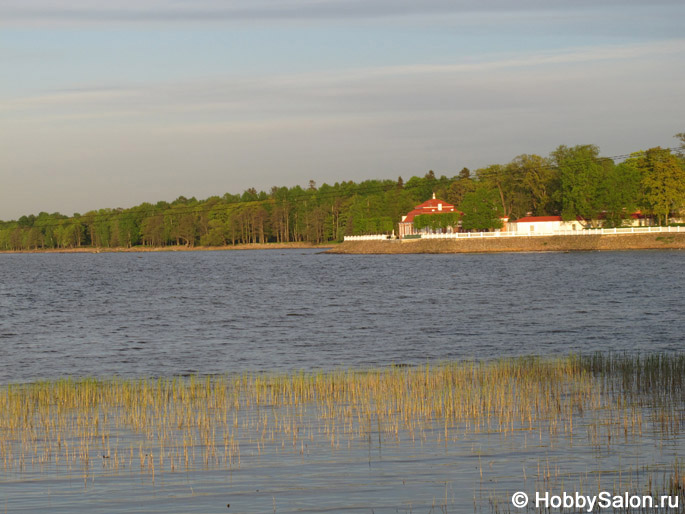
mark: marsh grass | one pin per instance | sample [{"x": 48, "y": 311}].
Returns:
[{"x": 169, "y": 425}]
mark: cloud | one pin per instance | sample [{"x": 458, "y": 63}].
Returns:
[
  {"x": 235, "y": 133},
  {"x": 363, "y": 90},
  {"x": 82, "y": 11}
]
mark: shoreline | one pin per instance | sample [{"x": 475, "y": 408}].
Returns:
[
  {"x": 607, "y": 242},
  {"x": 178, "y": 248}
]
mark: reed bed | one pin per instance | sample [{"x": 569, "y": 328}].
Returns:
[{"x": 167, "y": 425}]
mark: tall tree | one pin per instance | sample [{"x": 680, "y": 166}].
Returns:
[
  {"x": 619, "y": 193},
  {"x": 482, "y": 210},
  {"x": 663, "y": 182},
  {"x": 460, "y": 188},
  {"x": 535, "y": 184},
  {"x": 497, "y": 177},
  {"x": 152, "y": 230},
  {"x": 182, "y": 220},
  {"x": 581, "y": 172}
]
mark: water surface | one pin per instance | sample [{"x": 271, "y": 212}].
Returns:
[
  {"x": 162, "y": 314},
  {"x": 169, "y": 314}
]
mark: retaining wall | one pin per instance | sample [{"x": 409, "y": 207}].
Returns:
[{"x": 517, "y": 244}]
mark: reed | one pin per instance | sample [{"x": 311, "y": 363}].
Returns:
[{"x": 167, "y": 425}]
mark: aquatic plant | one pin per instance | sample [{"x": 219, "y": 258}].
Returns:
[{"x": 165, "y": 425}]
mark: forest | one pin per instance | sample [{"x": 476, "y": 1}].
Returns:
[{"x": 574, "y": 182}]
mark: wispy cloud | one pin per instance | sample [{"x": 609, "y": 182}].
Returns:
[
  {"x": 118, "y": 139},
  {"x": 81, "y": 11},
  {"x": 384, "y": 88}
]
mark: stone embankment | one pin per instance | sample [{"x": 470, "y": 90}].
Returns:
[{"x": 517, "y": 244}]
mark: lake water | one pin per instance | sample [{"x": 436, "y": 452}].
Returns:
[
  {"x": 162, "y": 314},
  {"x": 178, "y": 314}
]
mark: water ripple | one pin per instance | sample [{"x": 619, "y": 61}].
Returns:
[{"x": 177, "y": 313}]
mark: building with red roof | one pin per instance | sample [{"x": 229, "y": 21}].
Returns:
[
  {"x": 542, "y": 225},
  {"x": 432, "y": 206},
  {"x": 551, "y": 224}
]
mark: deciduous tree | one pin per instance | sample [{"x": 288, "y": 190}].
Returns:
[
  {"x": 482, "y": 210},
  {"x": 663, "y": 182}
]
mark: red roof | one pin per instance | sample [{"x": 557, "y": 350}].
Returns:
[
  {"x": 433, "y": 203},
  {"x": 533, "y": 219},
  {"x": 409, "y": 218},
  {"x": 429, "y": 207}
]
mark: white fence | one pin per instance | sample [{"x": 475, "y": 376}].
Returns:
[
  {"x": 589, "y": 232},
  {"x": 379, "y": 237}
]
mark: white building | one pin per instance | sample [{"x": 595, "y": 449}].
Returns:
[{"x": 542, "y": 225}]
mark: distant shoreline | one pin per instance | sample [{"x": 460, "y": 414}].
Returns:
[
  {"x": 656, "y": 241},
  {"x": 179, "y": 248}
]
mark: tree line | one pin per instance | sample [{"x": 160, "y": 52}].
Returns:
[{"x": 574, "y": 182}]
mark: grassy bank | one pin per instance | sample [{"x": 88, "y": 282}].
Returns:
[{"x": 517, "y": 244}]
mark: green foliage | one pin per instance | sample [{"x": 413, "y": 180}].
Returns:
[
  {"x": 460, "y": 188},
  {"x": 580, "y": 174},
  {"x": 529, "y": 183},
  {"x": 437, "y": 222},
  {"x": 573, "y": 181},
  {"x": 481, "y": 210},
  {"x": 663, "y": 182},
  {"x": 537, "y": 185},
  {"x": 619, "y": 193},
  {"x": 495, "y": 177},
  {"x": 375, "y": 213}
]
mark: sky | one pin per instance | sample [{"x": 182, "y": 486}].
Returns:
[{"x": 111, "y": 104}]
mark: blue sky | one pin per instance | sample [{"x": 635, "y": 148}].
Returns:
[{"x": 110, "y": 106}]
